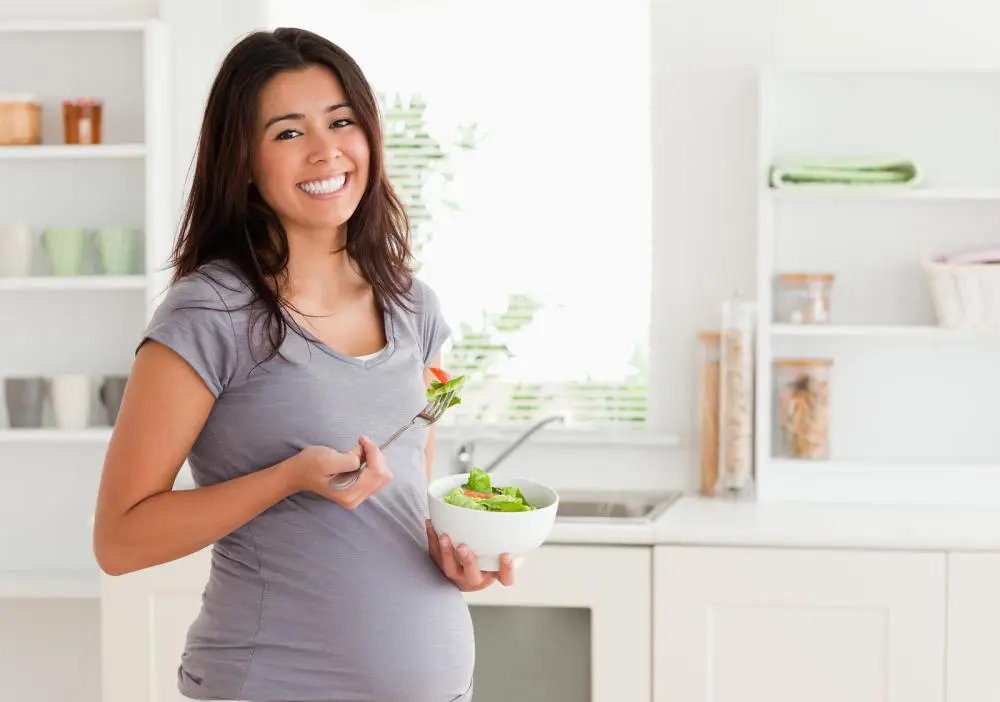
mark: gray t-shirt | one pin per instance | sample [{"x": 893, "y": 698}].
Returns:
[{"x": 311, "y": 602}]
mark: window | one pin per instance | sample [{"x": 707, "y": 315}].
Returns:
[{"x": 518, "y": 135}]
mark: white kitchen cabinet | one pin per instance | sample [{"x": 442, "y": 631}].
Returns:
[
  {"x": 786, "y": 625},
  {"x": 144, "y": 621},
  {"x": 572, "y": 601},
  {"x": 973, "y": 626},
  {"x": 575, "y": 627}
]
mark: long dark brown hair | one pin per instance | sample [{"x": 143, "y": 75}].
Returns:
[{"x": 225, "y": 217}]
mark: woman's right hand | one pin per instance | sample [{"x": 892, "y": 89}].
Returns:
[{"x": 311, "y": 470}]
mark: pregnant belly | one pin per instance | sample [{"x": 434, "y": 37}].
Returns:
[{"x": 373, "y": 629}]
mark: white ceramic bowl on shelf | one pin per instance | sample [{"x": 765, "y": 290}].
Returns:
[{"x": 489, "y": 534}]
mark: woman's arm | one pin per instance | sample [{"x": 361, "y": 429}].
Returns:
[
  {"x": 429, "y": 446},
  {"x": 140, "y": 521}
]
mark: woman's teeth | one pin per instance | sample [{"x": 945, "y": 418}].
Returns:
[{"x": 324, "y": 187}]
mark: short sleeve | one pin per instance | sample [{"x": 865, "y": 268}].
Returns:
[
  {"x": 194, "y": 322},
  {"x": 434, "y": 329}
]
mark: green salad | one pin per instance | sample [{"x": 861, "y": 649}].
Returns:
[
  {"x": 477, "y": 493},
  {"x": 443, "y": 384}
]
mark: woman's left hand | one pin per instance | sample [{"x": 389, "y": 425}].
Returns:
[{"x": 459, "y": 565}]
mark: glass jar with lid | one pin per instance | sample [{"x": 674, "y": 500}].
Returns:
[
  {"x": 803, "y": 386},
  {"x": 82, "y": 120},
  {"x": 803, "y": 298}
]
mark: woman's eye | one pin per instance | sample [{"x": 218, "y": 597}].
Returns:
[
  {"x": 342, "y": 123},
  {"x": 287, "y": 134}
]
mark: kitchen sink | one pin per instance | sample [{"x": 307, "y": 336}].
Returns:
[{"x": 615, "y": 506}]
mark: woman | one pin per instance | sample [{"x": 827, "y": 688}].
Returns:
[{"x": 293, "y": 326}]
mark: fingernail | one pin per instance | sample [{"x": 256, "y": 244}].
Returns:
[
  {"x": 463, "y": 551},
  {"x": 427, "y": 523}
]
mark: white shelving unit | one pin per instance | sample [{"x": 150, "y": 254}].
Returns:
[
  {"x": 888, "y": 331},
  {"x": 913, "y": 417},
  {"x": 88, "y": 323},
  {"x": 63, "y": 151},
  {"x": 92, "y": 435},
  {"x": 82, "y": 282}
]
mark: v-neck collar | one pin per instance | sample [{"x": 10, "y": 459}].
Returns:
[{"x": 379, "y": 357}]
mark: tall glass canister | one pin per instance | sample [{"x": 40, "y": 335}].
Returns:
[{"x": 736, "y": 422}]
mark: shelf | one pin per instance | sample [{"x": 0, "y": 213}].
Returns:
[
  {"x": 73, "y": 151},
  {"x": 880, "y": 331},
  {"x": 43, "y": 584},
  {"x": 875, "y": 482},
  {"x": 96, "y": 435},
  {"x": 886, "y": 403},
  {"x": 835, "y": 193},
  {"x": 83, "y": 282},
  {"x": 71, "y": 27}
]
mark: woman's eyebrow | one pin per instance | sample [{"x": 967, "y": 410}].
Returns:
[{"x": 299, "y": 115}]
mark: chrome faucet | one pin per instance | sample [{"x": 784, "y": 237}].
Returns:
[{"x": 464, "y": 456}]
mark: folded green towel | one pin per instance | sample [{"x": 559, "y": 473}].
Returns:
[{"x": 844, "y": 171}]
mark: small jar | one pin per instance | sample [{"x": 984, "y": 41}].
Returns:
[
  {"x": 707, "y": 418},
  {"x": 803, "y": 298},
  {"x": 82, "y": 121},
  {"x": 20, "y": 120},
  {"x": 804, "y": 407}
]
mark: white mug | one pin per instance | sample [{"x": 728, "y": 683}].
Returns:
[
  {"x": 16, "y": 249},
  {"x": 71, "y": 400}
]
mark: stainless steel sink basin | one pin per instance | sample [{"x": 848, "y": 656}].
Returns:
[{"x": 615, "y": 506}]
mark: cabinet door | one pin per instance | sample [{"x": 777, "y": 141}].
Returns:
[
  {"x": 973, "y": 627},
  {"x": 144, "y": 622},
  {"x": 574, "y": 628},
  {"x": 786, "y": 625}
]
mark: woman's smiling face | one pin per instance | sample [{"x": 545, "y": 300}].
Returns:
[{"x": 310, "y": 159}]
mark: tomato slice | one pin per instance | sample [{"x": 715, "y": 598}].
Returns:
[
  {"x": 477, "y": 495},
  {"x": 442, "y": 376}
]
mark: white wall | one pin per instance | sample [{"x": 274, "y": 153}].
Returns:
[
  {"x": 201, "y": 33},
  {"x": 705, "y": 53}
]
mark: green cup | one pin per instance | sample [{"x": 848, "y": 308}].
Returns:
[
  {"x": 64, "y": 247},
  {"x": 118, "y": 248}
]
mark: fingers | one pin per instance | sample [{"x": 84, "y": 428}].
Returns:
[
  {"x": 449, "y": 565},
  {"x": 372, "y": 455},
  {"x": 459, "y": 564},
  {"x": 472, "y": 577},
  {"x": 366, "y": 447},
  {"x": 506, "y": 575},
  {"x": 375, "y": 476},
  {"x": 433, "y": 543}
]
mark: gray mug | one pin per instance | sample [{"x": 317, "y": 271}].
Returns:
[
  {"x": 111, "y": 392},
  {"x": 25, "y": 399}
]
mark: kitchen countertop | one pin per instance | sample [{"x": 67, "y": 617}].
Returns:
[
  {"x": 700, "y": 521},
  {"x": 697, "y": 521}
]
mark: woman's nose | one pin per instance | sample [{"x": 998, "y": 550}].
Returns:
[{"x": 325, "y": 147}]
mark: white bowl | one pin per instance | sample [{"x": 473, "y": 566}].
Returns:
[{"x": 489, "y": 534}]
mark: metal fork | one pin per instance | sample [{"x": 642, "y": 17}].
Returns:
[{"x": 432, "y": 412}]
